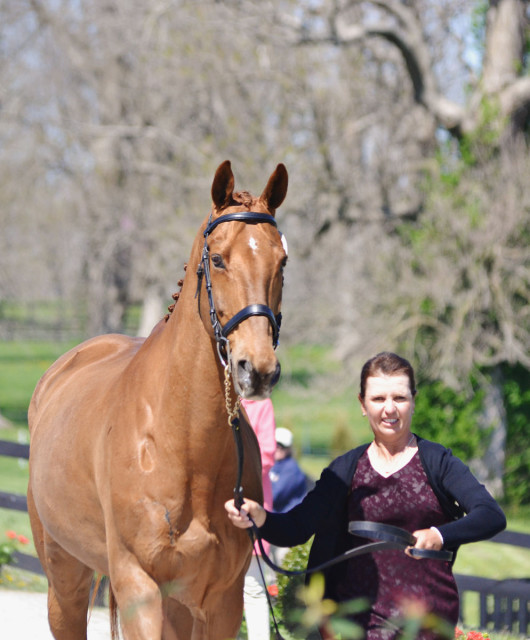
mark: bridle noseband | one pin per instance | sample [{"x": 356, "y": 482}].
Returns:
[{"x": 221, "y": 333}]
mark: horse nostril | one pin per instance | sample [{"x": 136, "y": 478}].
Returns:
[
  {"x": 245, "y": 367},
  {"x": 244, "y": 372}
]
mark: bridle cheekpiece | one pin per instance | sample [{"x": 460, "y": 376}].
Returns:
[{"x": 221, "y": 332}]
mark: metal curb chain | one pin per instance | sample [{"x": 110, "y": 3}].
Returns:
[{"x": 232, "y": 411}]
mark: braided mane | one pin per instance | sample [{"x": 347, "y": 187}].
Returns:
[{"x": 175, "y": 297}]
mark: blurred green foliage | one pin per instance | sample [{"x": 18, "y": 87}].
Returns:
[
  {"x": 517, "y": 404},
  {"x": 451, "y": 418}
]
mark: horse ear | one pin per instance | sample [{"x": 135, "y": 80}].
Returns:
[
  {"x": 276, "y": 189},
  {"x": 223, "y": 185}
]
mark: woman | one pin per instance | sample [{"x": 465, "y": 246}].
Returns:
[{"x": 399, "y": 479}]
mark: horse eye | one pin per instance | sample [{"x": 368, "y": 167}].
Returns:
[{"x": 217, "y": 261}]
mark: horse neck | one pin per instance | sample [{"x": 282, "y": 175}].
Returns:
[{"x": 186, "y": 348}]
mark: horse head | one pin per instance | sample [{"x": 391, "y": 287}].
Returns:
[{"x": 242, "y": 263}]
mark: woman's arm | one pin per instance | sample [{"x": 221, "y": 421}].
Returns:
[
  {"x": 320, "y": 508},
  {"x": 484, "y": 518}
]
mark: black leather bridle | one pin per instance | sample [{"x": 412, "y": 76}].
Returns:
[{"x": 221, "y": 332}]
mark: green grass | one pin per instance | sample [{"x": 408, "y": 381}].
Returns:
[
  {"x": 492, "y": 560},
  {"x": 21, "y": 366},
  {"x": 319, "y": 419}
]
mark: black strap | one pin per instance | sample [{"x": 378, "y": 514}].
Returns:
[
  {"x": 238, "y": 489},
  {"x": 255, "y": 310},
  {"x": 380, "y": 531},
  {"x": 388, "y": 537},
  {"x": 251, "y": 217},
  {"x": 431, "y": 554},
  {"x": 238, "y": 501},
  {"x": 269, "y": 599},
  {"x": 351, "y": 553}
]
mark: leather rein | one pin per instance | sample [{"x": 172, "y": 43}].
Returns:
[{"x": 386, "y": 536}]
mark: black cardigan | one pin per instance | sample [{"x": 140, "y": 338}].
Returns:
[{"x": 324, "y": 511}]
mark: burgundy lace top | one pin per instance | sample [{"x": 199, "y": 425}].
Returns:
[{"x": 393, "y": 582}]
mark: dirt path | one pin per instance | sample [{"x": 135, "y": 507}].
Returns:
[{"x": 23, "y": 616}]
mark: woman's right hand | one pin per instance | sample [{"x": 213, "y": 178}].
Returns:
[{"x": 249, "y": 508}]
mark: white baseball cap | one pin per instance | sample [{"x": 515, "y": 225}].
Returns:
[{"x": 284, "y": 437}]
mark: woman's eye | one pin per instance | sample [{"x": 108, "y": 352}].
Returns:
[{"x": 217, "y": 261}]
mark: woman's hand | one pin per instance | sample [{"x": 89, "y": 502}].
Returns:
[
  {"x": 426, "y": 539},
  {"x": 241, "y": 518}
]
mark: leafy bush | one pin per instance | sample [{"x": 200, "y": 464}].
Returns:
[
  {"x": 451, "y": 418},
  {"x": 517, "y": 404},
  {"x": 295, "y": 560}
]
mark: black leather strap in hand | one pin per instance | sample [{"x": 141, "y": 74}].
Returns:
[
  {"x": 351, "y": 553},
  {"x": 401, "y": 537}
]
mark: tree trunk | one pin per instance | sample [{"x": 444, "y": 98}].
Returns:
[
  {"x": 504, "y": 43},
  {"x": 152, "y": 310},
  {"x": 490, "y": 469}
]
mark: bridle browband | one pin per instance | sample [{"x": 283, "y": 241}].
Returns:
[{"x": 221, "y": 332}]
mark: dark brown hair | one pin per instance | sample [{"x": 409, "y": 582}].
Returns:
[{"x": 389, "y": 364}]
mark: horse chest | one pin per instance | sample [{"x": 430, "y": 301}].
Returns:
[{"x": 185, "y": 549}]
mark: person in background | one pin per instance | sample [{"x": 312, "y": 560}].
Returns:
[
  {"x": 256, "y": 607},
  {"x": 398, "y": 479},
  {"x": 289, "y": 482}
]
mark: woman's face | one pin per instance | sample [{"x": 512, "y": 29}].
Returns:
[{"x": 389, "y": 405}]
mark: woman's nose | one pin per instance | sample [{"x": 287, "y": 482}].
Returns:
[{"x": 389, "y": 405}]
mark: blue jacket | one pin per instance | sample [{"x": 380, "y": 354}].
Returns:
[
  {"x": 324, "y": 511},
  {"x": 289, "y": 484}
]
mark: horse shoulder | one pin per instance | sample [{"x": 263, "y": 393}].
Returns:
[{"x": 97, "y": 354}]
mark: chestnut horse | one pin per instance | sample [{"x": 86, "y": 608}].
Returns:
[{"x": 132, "y": 455}]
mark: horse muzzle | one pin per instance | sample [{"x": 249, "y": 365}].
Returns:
[{"x": 253, "y": 382}]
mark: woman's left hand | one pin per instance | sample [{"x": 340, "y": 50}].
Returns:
[{"x": 426, "y": 539}]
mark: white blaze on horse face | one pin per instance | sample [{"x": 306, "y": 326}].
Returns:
[
  {"x": 284, "y": 245},
  {"x": 253, "y": 244}
]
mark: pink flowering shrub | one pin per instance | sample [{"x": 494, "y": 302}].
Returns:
[
  {"x": 7, "y": 548},
  {"x": 470, "y": 635}
]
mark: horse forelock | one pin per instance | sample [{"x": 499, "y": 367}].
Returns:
[{"x": 244, "y": 197}]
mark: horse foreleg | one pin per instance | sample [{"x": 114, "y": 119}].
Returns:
[
  {"x": 181, "y": 624},
  {"x": 224, "y": 615},
  {"x": 178, "y": 621},
  {"x": 36, "y": 528},
  {"x": 69, "y": 584},
  {"x": 139, "y": 600}
]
